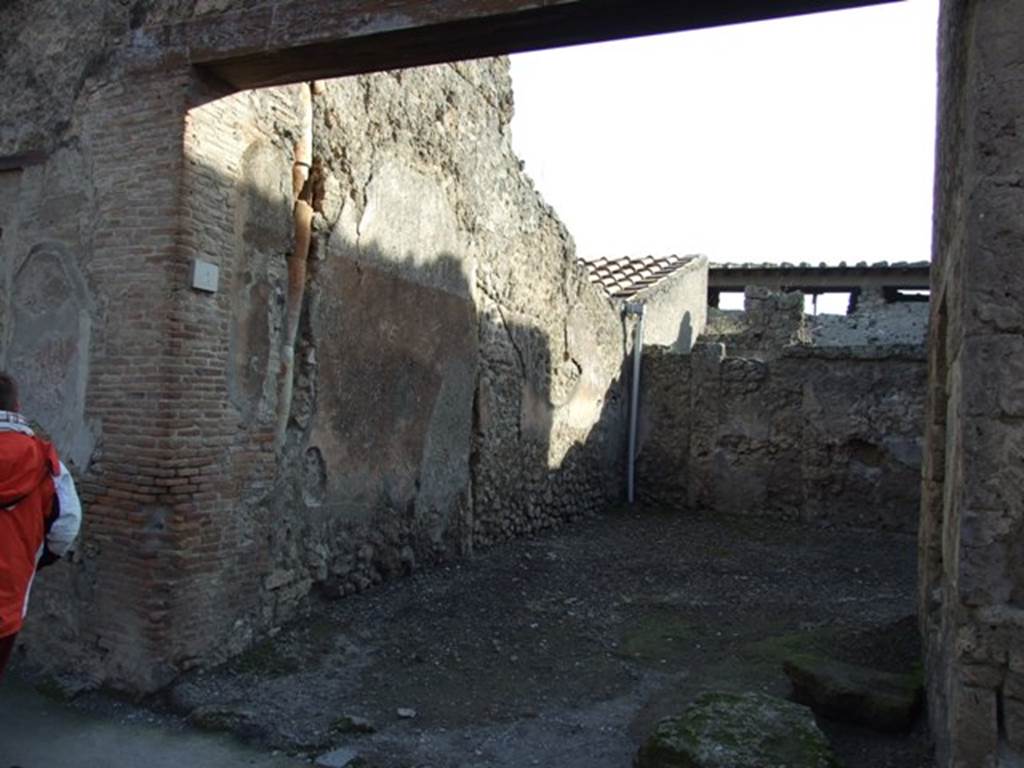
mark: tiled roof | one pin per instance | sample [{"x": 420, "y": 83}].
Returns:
[{"x": 625, "y": 277}]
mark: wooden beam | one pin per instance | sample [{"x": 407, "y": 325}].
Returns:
[
  {"x": 294, "y": 42},
  {"x": 829, "y": 278}
]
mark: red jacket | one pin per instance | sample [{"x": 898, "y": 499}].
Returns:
[{"x": 27, "y": 466}]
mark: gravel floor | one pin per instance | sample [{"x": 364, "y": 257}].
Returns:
[{"x": 564, "y": 649}]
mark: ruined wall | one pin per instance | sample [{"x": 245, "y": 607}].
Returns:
[
  {"x": 455, "y": 378},
  {"x": 371, "y": 475},
  {"x": 236, "y": 213},
  {"x": 876, "y": 322},
  {"x": 667, "y": 416},
  {"x": 768, "y": 323},
  {"x": 824, "y": 434},
  {"x": 971, "y": 576},
  {"x": 545, "y": 347}
]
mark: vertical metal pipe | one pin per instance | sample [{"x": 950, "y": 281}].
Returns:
[
  {"x": 638, "y": 349},
  {"x": 302, "y": 215}
]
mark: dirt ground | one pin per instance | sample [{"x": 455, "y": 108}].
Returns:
[{"x": 564, "y": 649}]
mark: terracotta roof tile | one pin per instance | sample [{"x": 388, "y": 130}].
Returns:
[{"x": 624, "y": 277}]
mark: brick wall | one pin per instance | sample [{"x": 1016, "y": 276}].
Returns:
[
  {"x": 133, "y": 138},
  {"x": 220, "y": 457}
]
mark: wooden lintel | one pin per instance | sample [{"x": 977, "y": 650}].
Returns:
[{"x": 457, "y": 34}]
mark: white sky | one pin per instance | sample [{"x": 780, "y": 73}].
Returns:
[{"x": 802, "y": 139}]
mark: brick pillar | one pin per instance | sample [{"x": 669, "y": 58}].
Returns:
[
  {"x": 175, "y": 532},
  {"x": 133, "y": 135},
  {"x": 223, "y": 451}
]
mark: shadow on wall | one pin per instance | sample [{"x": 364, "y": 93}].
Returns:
[
  {"x": 830, "y": 435},
  {"x": 420, "y": 430},
  {"x": 684, "y": 340},
  {"x": 420, "y": 427}
]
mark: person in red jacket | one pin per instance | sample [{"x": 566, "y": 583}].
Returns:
[{"x": 39, "y": 513}]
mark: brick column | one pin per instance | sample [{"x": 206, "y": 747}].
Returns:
[
  {"x": 176, "y": 535},
  {"x": 133, "y": 135},
  {"x": 223, "y": 444}
]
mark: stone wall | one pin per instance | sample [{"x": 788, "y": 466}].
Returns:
[
  {"x": 457, "y": 376},
  {"x": 784, "y": 429},
  {"x": 971, "y": 577},
  {"x": 768, "y": 323},
  {"x": 876, "y": 322},
  {"x": 456, "y": 379}
]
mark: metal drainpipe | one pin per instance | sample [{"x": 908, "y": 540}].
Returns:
[{"x": 638, "y": 349}]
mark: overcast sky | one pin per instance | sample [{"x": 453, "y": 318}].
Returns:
[{"x": 803, "y": 139}]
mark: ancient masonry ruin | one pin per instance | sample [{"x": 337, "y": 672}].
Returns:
[
  {"x": 397, "y": 360},
  {"x": 971, "y": 554},
  {"x": 772, "y": 412},
  {"x": 781, "y": 414},
  {"x": 295, "y": 332}
]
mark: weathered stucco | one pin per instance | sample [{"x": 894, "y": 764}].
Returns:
[
  {"x": 455, "y": 378},
  {"x": 676, "y": 309},
  {"x": 829, "y": 434}
]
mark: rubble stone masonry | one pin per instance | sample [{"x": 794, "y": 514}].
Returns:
[
  {"x": 757, "y": 421},
  {"x": 971, "y": 576}
]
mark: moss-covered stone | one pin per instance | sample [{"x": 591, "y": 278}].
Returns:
[
  {"x": 854, "y": 694},
  {"x": 746, "y": 730}
]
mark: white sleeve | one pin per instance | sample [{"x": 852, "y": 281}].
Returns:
[{"x": 65, "y": 528}]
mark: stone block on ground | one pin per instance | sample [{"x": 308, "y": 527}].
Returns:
[
  {"x": 854, "y": 694},
  {"x": 746, "y": 730}
]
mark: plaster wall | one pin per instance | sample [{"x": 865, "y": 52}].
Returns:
[
  {"x": 457, "y": 377},
  {"x": 676, "y": 309}
]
